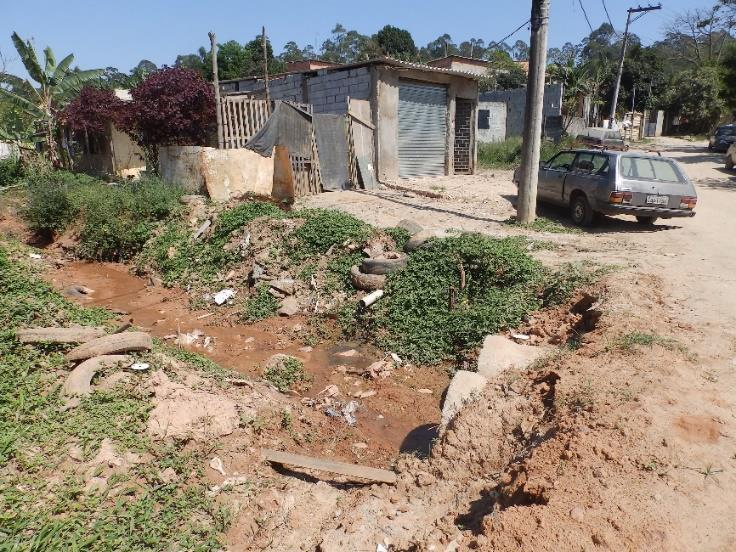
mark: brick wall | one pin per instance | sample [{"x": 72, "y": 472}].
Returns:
[{"x": 463, "y": 116}]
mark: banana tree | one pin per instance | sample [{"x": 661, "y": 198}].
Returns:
[{"x": 56, "y": 86}]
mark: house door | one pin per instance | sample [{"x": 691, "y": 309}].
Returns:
[
  {"x": 463, "y": 159},
  {"x": 422, "y": 129}
]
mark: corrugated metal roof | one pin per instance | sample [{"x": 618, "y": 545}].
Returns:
[{"x": 375, "y": 61}]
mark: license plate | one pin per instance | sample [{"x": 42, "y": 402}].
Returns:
[{"x": 658, "y": 200}]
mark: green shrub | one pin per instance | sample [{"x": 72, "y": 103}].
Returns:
[
  {"x": 562, "y": 283},
  {"x": 237, "y": 217},
  {"x": 415, "y": 320},
  {"x": 10, "y": 171},
  {"x": 260, "y": 306},
  {"x": 507, "y": 154},
  {"x": 286, "y": 373},
  {"x": 114, "y": 220},
  {"x": 399, "y": 235},
  {"x": 178, "y": 260},
  {"x": 325, "y": 228},
  {"x": 338, "y": 270}
]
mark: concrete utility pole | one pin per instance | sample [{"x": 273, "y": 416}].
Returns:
[
  {"x": 216, "y": 83},
  {"x": 265, "y": 70},
  {"x": 526, "y": 208},
  {"x": 642, "y": 11}
]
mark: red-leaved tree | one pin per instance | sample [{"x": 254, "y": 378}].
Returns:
[
  {"x": 170, "y": 106},
  {"x": 92, "y": 111}
]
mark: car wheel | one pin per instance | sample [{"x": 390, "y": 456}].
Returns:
[
  {"x": 580, "y": 211},
  {"x": 646, "y": 221},
  {"x": 729, "y": 162}
]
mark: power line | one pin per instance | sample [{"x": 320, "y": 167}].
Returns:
[
  {"x": 512, "y": 33},
  {"x": 586, "y": 15},
  {"x": 605, "y": 9}
]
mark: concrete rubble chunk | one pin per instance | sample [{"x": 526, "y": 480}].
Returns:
[
  {"x": 284, "y": 285},
  {"x": 464, "y": 387},
  {"x": 410, "y": 226},
  {"x": 499, "y": 354},
  {"x": 289, "y": 307}
]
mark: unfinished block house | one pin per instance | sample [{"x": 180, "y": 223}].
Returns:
[{"x": 406, "y": 120}]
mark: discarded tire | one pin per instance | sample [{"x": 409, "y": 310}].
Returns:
[
  {"x": 384, "y": 264},
  {"x": 366, "y": 282}
]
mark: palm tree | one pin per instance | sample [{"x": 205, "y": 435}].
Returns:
[{"x": 57, "y": 86}]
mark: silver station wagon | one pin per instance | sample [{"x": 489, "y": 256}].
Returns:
[{"x": 615, "y": 183}]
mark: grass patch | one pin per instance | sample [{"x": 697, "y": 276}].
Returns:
[
  {"x": 560, "y": 285},
  {"x": 399, "y": 235},
  {"x": 260, "y": 306},
  {"x": 507, "y": 154},
  {"x": 630, "y": 343},
  {"x": 112, "y": 221},
  {"x": 44, "y": 505},
  {"x": 500, "y": 286},
  {"x": 324, "y": 229},
  {"x": 544, "y": 224},
  {"x": 286, "y": 373}
]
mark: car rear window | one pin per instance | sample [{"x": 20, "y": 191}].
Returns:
[
  {"x": 726, "y": 131},
  {"x": 645, "y": 168}
]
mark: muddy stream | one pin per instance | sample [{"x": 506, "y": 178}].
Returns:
[{"x": 401, "y": 416}]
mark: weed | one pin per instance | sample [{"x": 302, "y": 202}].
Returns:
[
  {"x": 326, "y": 228},
  {"x": 306, "y": 272},
  {"x": 286, "y": 373},
  {"x": 507, "y": 154},
  {"x": 562, "y": 283},
  {"x": 493, "y": 282},
  {"x": 581, "y": 398},
  {"x": 629, "y": 343},
  {"x": 287, "y": 421},
  {"x": 193, "y": 360},
  {"x": 260, "y": 306},
  {"x": 11, "y": 171},
  {"x": 544, "y": 224},
  {"x": 338, "y": 271},
  {"x": 399, "y": 235}
]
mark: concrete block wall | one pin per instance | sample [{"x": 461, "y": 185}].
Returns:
[
  {"x": 515, "y": 101},
  {"x": 328, "y": 90},
  {"x": 496, "y": 113},
  {"x": 286, "y": 87}
]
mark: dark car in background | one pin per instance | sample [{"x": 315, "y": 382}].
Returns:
[{"x": 722, "y": 137}]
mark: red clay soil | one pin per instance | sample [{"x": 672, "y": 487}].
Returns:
[{"x": 398, "y": 417}]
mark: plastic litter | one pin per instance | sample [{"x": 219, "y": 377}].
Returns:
[
  {"x": 222, "y": 296},
  {"x": 348, "y": 412},
  {"x": 140, "y": 366}
]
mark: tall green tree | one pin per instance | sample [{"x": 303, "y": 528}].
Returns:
[
  {"x": 56, "y": 85},
  {"x": 396, "y": 43},
  {"x": 695, "y": 96}
]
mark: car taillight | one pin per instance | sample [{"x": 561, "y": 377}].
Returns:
[
  {"x": 620, "y": 197},
  {"x": 688, "y": 202}
]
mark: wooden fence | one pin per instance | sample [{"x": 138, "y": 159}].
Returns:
[{"x": 243, "y": 116}]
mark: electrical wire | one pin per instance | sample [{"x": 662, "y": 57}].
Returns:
[
  {"x": 586, "y": 15},
  {"x": 512, "y": 33}
]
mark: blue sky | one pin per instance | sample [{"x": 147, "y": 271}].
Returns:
[{"x": 102, "y": 33}]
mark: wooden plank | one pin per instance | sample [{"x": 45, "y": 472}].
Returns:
[
  {"x": 362, "y": 121},
  {"x": 351, "y": 470}
]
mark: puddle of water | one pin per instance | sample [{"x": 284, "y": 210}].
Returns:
[{"x": 397, "y": 418}]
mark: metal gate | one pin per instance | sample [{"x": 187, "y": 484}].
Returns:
[{"x": 422, "y": 129}]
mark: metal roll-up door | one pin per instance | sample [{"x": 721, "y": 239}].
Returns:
[{"x": 422, "y": 129}]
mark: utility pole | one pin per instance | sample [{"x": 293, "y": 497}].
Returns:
[
  {"x": 265, "y": 69},
  {"x": 526, "y": 208},
  {"x": 642, "y": 12},
  {"x": 216, "y": 83}
]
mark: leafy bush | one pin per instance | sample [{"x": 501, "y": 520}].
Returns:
[
  {"x": 10, "y": 171},
  {"x": 260, "y": 306},
  {"x": 415, "y": 319},
  {"x": 325, "y": 228},
  {"x": 179, "y": 261},
  {"x": 507, "y": 154},
  {"x": 286, "y": 373},
  {"x": 562, "y": 283},
  {"x": 399, "y": 235},
  {"x": 114, "y": 221}
]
